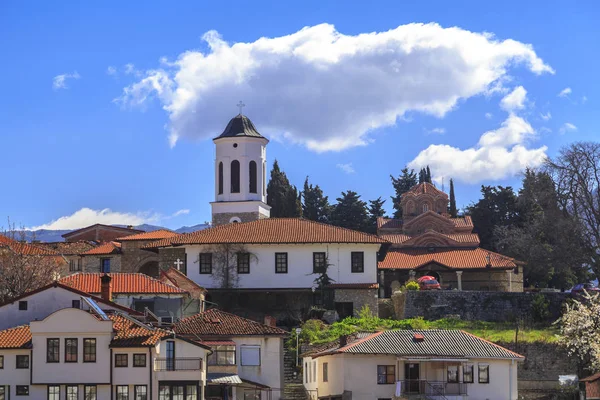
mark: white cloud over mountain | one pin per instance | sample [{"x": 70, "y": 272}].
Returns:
[
  {"x": 325, "y": 90},
  {"x": 86, "y": 216}
]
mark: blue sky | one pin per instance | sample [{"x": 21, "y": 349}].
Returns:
[{"x": 83, "y": 126}]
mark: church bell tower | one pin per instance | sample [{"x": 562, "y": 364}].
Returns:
[{"x": 240, "y": 173}]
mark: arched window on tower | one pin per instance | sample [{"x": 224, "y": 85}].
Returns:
[
  {"x": 253, "y": 177},
  {"x": 235, "y": 176},
  {"x": 220, "y": 178},
  {"x": 425, "y": 207}
]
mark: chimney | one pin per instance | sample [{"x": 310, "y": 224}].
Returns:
[
  {"x": 417, "y": 337},
  {"x": 343, "y": 341},
  {"x": 106, "y": 287},
  {"x": 270, "y": 321}
]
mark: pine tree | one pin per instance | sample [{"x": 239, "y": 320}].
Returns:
[
  {"x": 350, "y": 212},
  {"x": 375, "y": 210},
  {"x": 452, "y": 208},
  {"x": 402, "y": 184},
  {"x": 282, "y": 196},
  {"x": 315, "y": 206}
]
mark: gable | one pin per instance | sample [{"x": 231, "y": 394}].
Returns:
[{"x": 429, "y": 221}]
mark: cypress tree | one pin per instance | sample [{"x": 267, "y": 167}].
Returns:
[
  {"x": 428, "y": 175},
  {"x": 282, "y": 196},
  {"x": 452, "y": 208},
  {"x": 402, "y": 184}
]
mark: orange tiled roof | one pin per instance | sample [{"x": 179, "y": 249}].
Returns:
[
  {"x": 104, "y": 249},
  {"x": 389, "y": 223},
  {"x": 458, "y": 237},
  {"x": 25, "y": 248},
  {"x": 354, "y": 286},
  {"x": 154, "y": 235},
  {"x": 272, "y": 231},
  {"x": 179, "y": 279},
  {"x": 426, "y": 187},
  {"x": 68, "y": 248},
  {"x": 462, "y": 221},
  {"x": 220, "y": 323},
  {"x": 16, "y": 338},
  {"x": 89, "y": 282},
  {"x": 455, "y": 259},
  {"x": 130, "y": 334}
]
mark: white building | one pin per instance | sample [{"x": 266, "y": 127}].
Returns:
[
  {"x": 75, "y": 354},
  {"x": 432, "y": 364}
]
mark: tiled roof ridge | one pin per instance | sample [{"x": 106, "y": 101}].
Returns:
[
  {"x": 139, "y": 236},
  {"x": 359, "y": 341},
  {"x": 182, "y": 275},
  {"x": 99, "y": 224}
]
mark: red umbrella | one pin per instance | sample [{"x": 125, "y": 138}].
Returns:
[{"x": 426, "y": 278}]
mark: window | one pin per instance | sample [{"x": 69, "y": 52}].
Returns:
[
  {"x": 52, "y": 350},
  {"x": 2, "y": 392},
  {"x": 70, "y": 350},
  {"x": 250, "y": 394},
  {"x": 386, "y": 374},
  {"x": 72, "y": 392},
  {"x": 76, "y": 303},
  {"x": 122, "y": 392},
  {"x": 53, "y": 392},
  {"x": 243, "y": 263},
  {"x": 164, "y": 392},
  {"x": 281, "y": 263},
  {"x": 325, "y": 372},
  {"x": 89, "y": 350},
  {"x": 425, "y": 207},
  {"x": 23, "y": 306},
  {"x": 1, "y": 362},
  {"x": 319, "y": 263},
  {"x": 314, "y": 371},
  {"x": 235, "y": 176},
  {"x": 75, "y": 265},
  {"x": 253, "y": 177},
  {"x": 22, "y": 390},
  {"x": 120, "y": 360},
  {"x": 139, "y": 360},
  {"x": 205, "y": 260},
  {"x": 484, "y": 373},
  {"x": 90, "y": 393},
  {"x": 305, "y": 372},
  {"x": 222, "y": 355},
  {"x": 452, "y": 373},
  {"x": 358, "y": 261},
  {"x": 250, "y": 355},
  {"x": 22, "y": 362},
  {"x": 105, "y": 265},
  {"x": 140, "y": 392},
  {"x": 192, "y": 392},
  {"x": 468, "y": 373},
  {"x": 220, "y": 178}
]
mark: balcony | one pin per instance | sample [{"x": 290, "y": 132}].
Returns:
[
  {"x": 414, "y": 387},
  {"x": 177, "y": 364}
]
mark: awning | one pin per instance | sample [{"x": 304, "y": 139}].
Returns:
[{"x": 216, "y": 377}]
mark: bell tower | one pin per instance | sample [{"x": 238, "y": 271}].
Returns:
[{"x": 240, "y": 173}]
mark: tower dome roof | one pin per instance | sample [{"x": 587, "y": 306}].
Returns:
[{"x": 240, "y": 126}]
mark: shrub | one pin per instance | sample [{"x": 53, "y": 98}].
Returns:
[
  {"x": 540, "y": 308},
  {"x": 412, "y": 285}
]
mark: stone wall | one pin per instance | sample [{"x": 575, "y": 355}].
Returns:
[
  {"x": 225, "y": 218},
  {"x": 359, "y": 298},
  {"x": 134, "y": 257},
  {"x": 168, "y": 256},
  {"x": 92, "y": 263},
  {"x": 473, "y": 306}
]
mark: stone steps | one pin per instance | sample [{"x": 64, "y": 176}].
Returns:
[{"x": 294, "y": 391}]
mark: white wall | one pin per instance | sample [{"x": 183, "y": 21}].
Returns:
[
  {"x": 183, "y": 349},
  {"x": 40, "y": 392},
  {"x": 9, "y": 375},
  {"x": 130, "y": 374},
  {"x": 270, "y": 370},
  {"x": 300, "y": 265}
]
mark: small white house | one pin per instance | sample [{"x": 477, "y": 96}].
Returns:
[{"x": 405, "y": 364}]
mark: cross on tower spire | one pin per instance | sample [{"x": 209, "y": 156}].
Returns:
[{"x": 240, "y": 105}]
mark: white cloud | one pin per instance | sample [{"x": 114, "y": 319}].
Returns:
[
  {"x": 184, "y": 211},
  {"x": 565, "y": 92},
  {"x": 60, "y": 81},
  {"x": 567, "y": 127},
  {"x": 489, "y": 115},
  {"x": 111, "y": 70},
  {"x": 515, "y": 100},
  {"x": 347, "y": 168},
  {"x": 86, "y": 216},
  {"x": 499, "y": 154},
  {"x": 584, "y": 99},
  {"x": 435, "y": 131},
  {"x": 547, "y": 116},
  {"x": 325, "y": 90}
]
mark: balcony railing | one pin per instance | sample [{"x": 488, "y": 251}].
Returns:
[
  {"x": 177, "y": 364},
  {"x": 433, "y": 388}
]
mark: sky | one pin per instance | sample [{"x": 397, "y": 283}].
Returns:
[{"x": 108, "y": 109}]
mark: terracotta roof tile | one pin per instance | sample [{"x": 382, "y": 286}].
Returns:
[
  {"x": 104, "y": 249},
  {"x": 456, "y": 258},
  {"x": 25, "y": 248},
  {"x": 426, "y": 187},
  {"x": 95, "y": 226},
  {"x": 354, "y": 286},
  {"x": 68, "y": 248},
  {"x": 130, "y": 334},
  {"x": 272, "y": 231},
  {"x": 389, "y": 223},
  {"x": 458, "y": 237},
  {"x": 89, "y": 282},
  {"x": 177, "y": 278},
  {"x": 462, "y": 222},
  {"x": 153, "y": 235},
  {"x": 220, "y": 323},
  {"x": 16, "y": 338}
]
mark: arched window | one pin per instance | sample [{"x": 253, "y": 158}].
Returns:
[
  {"x": 253, "y": 177},
  {"x": 220, "y": 178},
  {"x": 425, "y": 207},
  {"x": 235, "y": 176},
  {"x": 264, "y": 180}
]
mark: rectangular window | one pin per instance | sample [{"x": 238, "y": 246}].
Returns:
[
  {"x": 76, "y": 304},
  {"x": 452, "y": 373},
  {"x": 164, "y": 392},
  {"x": 319, "y": 262},
  {"x": 53, "y": 392},
  {"x": 222, "y": 355},
  {"x": 89, "y": 350},
  {"x": 2, "y": 392},
  {"x": 386, "y": 374},
  {"x": 23, "y": 305},
  {"x": 22, "y": 362},
  {"x": 70, "y": 350},
  {"x": 191, "y": 392},
  {"x": 52, "y": 350},
  {"x": 358, "y": 261},
  {"x": 468, "y": 373},
  {"x": 140, "y": 392},
  {"x": 72, "y": 392},
  {"x": 314, "y": 371},
  {"x": 90, "y": 393},
  {"x": 120, "y": 360},
  {"x": 205, "y": 260},
  {"x": 105, "y": 265},
  {"x": 250, "y": 355},
  {"x": 1, "y": 362},
  {"x": 22, "y": 390},
  {"x": 281, "y": 263},
  {"x": 325, "y": 372},
  {"x": 122, "y": 392},
  {"x": 139, "y": 360},
  {"x": 484, "y": 373},
  {"x": 243, "y": 263}
]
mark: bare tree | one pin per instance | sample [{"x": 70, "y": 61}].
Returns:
[{"x": 225, "y": 263}]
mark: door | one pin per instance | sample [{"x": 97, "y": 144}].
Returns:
[
  {"x": 170, "y": 355},
  {"x": 412, "y": 376}
]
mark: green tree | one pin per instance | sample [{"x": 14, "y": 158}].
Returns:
[
  {"x": 350, "y": 212},
  {"x": 428, "y": 175},
  {"x": 452, "y": 207},
  {"x": 401, "y": 185},
  {"x": 315, "y": 206},
  {"x": 376, "y": 210},
  {"x": 282, "y": 196}
]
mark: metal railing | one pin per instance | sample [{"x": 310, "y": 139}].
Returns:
[
  {"x": 433, "y": 388},
  {"x": 177, "y": 364}
]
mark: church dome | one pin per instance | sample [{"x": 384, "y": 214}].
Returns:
[{"x": 240, "y": 126}]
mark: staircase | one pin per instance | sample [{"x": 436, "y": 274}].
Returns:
[
  {"x": 295, "y": 391},
  {"x": 293, "y": 388}
]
